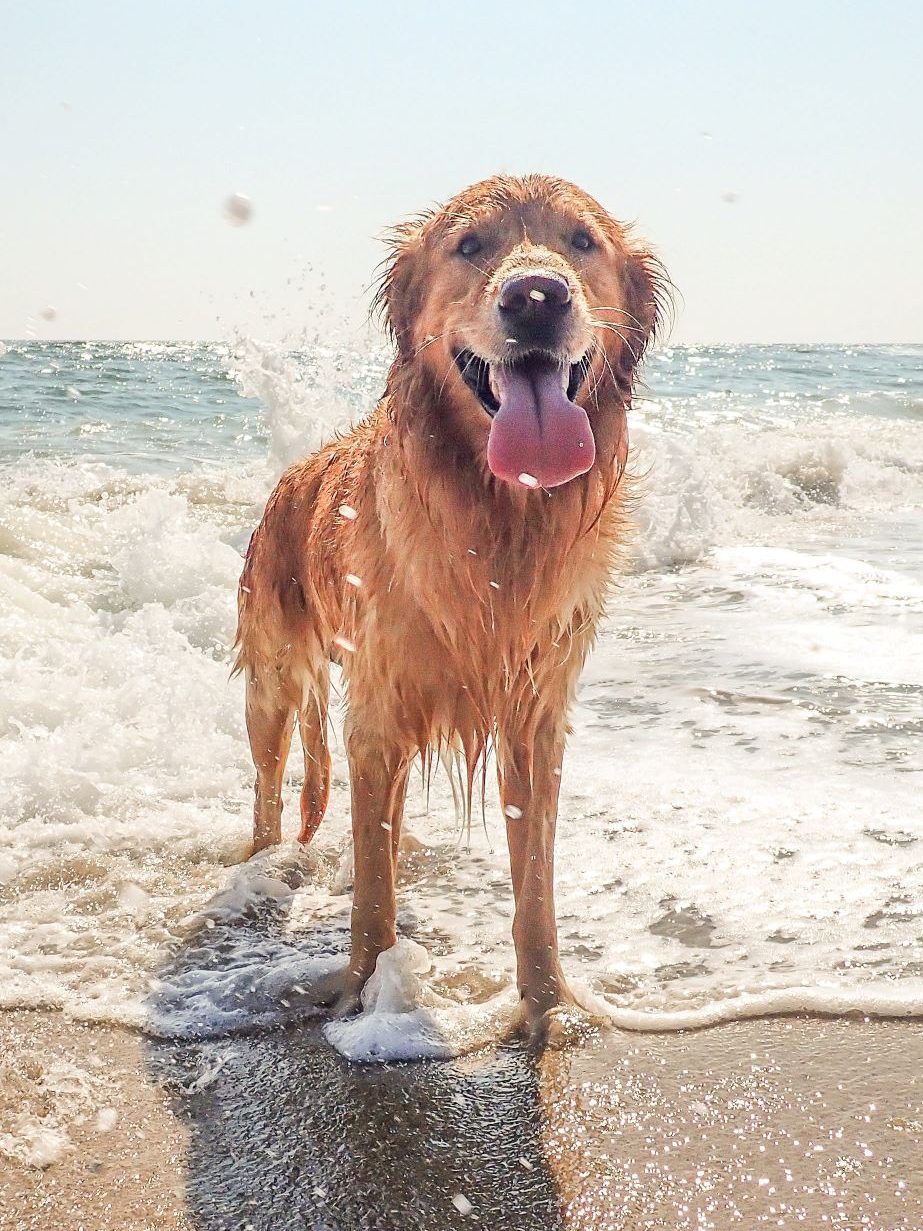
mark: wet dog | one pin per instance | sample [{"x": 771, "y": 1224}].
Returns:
[{"x": 453, "y": 552}]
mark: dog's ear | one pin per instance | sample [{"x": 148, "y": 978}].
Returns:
[
  {"x": 397, "y": 298},
  {"x": 648, "y": 300}
]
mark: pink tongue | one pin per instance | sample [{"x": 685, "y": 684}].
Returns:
[{"x": 538, "y": 437}]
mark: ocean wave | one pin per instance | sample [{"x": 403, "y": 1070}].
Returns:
[{"x": 721, "y": 485}]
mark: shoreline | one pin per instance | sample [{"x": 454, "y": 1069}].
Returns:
[{"x": 782, "y": 1122}]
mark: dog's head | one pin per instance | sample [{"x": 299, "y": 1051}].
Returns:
[{"x": 526, "y": 308}]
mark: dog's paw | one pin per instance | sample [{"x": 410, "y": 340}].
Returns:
[
  {"x": 556, "y": 1021},
  {"x": 257, "y": 845},
  {"x": 348, "y": 1000},
  {"x": 339, "y": 991},
  {"x": 564, "y": 1027}
]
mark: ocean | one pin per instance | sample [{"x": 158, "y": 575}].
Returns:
[{"x": 740, "y": 819}]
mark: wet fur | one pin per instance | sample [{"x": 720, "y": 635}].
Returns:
[{"x": 478, "y": 600}]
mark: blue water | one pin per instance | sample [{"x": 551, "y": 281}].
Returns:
[{"x": 173, "y": 405}]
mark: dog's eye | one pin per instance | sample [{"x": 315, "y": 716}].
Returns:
[
  {"x": 469, "y": 246},
  {"x": 582, "y": 240}
]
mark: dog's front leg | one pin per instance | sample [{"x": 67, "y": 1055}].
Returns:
[
  {"x": 530, "y": 779},
  {"x": 378, "y": 771}
]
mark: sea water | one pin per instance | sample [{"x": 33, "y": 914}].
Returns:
[{"x": 740, "y": 826}]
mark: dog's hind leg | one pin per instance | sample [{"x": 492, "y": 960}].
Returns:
[
  {"x": 378, "y": 768},
  {"x": 270, "y": 723},
  {"x": 312, "y": 725}
]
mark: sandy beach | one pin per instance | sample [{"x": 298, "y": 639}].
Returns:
[{"x": 776, "y": 1123}]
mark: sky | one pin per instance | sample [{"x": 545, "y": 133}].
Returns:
[{"x": 773, "y": 155}]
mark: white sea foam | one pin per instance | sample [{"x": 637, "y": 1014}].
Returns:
[
  {"x": 304, "y": 410},
  {"x": 716, "y": 486},
  {"x": 739, "y": 827},
  {"x": 402, "y": 1017},
  {"x": 40, "y": 1098}
]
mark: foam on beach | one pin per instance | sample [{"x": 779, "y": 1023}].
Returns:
[{"x": 738, "y": 831}]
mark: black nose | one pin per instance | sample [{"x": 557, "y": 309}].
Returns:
[{"x": 536, "y": 298}]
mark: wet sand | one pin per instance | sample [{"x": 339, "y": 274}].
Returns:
[{"x": 776, "y": 1123}]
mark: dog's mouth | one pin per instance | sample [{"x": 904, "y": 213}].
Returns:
[
  {"x": 476, "y": 373},
  {"x": 539, "y": 436}
]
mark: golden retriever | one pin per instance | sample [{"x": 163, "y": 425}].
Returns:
[{"x": 453, "y": 552}]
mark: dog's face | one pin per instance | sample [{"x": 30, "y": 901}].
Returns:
[{"x": 526, "y": 308}]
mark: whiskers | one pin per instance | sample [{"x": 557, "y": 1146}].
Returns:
[
  {"x": 637, "y": 326},
  {"x": 597, "y": 348},
  {"x": 634, "y": 348},
  {"x": 635, "y": 354},
  {"x": 453, "y": 365},
  {"x": 431, "y": 340}
]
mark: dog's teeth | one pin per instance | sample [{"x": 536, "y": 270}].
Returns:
[
  {"x": 528, "y": 480},
  {"x": 537, "y": 295},
  {"x": 347, "y": 511}
]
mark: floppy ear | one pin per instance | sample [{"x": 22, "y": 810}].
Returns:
[
  {"x": 647, "y": 295},
  {"x": 398, "y": 296}
]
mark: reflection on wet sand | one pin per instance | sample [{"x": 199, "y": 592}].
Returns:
[
  {"x": 782, "y": 1123},
  {"x": 291, "y": 1135},
  {"x": 776, "y": 1123}
]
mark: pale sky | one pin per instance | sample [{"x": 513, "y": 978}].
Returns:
[{"x": 771, "y": 152}]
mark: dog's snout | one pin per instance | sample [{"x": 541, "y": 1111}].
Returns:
[
  {"x": 533, "y": 296},
  {"x": 535, "y": 309}
]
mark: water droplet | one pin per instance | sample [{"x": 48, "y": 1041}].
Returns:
[{"x": 238, "y": 209}]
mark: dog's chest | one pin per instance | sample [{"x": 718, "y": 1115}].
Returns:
[{"x": 480, "y": 614}]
